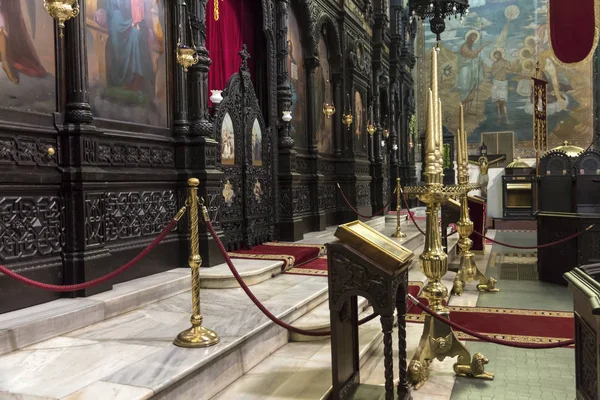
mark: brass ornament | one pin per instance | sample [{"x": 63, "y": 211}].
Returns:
[
  {"x": 328, "y": 110},
  {"x": 398, "y": 234},
  {"x": 50, "y": 151},
  {"x": 347, "y": 120},
  {"x": 62, "y": 11},
  {"x": 197, "y": 335},
  {"x": 371, "y": 129},
  {"x": 186, "y": 56}
]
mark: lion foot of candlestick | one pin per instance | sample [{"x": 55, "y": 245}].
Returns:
[
  {"x": 418, "y": 373},
  {"x": 475, "y": 369},
  {"x": 488, "y": 286},
  {"x": 485, "y": 284}
]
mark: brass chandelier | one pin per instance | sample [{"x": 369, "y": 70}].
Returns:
[{"x": 437, "y": 11}]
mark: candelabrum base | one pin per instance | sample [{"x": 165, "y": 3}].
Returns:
[
  {"x": 469, "y": 272},
  {"x": 197, "y": 336},
  {"x": 439, "y": 341},
  {"x": 399, "y": 234}
]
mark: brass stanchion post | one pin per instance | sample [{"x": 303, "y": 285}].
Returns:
[
  {"x": 197, "y": 335},
  {"x": 398, "y": 234}
]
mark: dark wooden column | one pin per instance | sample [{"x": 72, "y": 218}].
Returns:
[
  {"x": 202, "y": 146},
  {"x": 290, "y": 226},
  {"x": 83, "y": 261}
]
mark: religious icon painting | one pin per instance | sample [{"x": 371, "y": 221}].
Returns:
[
  {"x": 359, "y": 121},
  {"x": 258, "y": 191},
  {"x": 228, "y": 193},
  {"x": 126, "y": 60},
  {"x": 256, "y": 144},
  {"x": 27, "y": 76},
  {"x": 227, "y": 141}
]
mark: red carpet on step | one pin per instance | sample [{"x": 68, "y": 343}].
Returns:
[
  {"x": 517, "y": 325},
  {"x": 292, "y": 255}
]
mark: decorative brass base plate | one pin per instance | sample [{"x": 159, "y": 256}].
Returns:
[{"x": 197, "y": 337}]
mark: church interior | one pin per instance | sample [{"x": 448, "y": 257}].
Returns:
[{"x": 299, "y": 199}]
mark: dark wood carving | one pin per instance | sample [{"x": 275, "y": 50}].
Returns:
[
  {"x": 248, "y": 192},
  {"x": 352, "y": 274}
]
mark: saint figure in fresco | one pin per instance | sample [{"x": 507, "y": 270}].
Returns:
[
  {"x": 499, "y": 71},
  {"x": 256, "y": 144},
  {"x": 470, "y": 69},
  {"x": 128, "y": 57},
  {"x": 17, "y": 53}
]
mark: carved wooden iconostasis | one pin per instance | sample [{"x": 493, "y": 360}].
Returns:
[
  {"x": 246, "y": 155},
  {"x": 100, "y": 129}
]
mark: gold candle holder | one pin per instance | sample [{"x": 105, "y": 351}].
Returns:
[
  {"x": 398, "y": 234},
  {"x": 328, "y": 110},
  {"x": 371, "y": 129},
  {"x": 186, "y": 56},
  {"x": 197, "y": 335},
  {"x": 468, "y": 270},
  {"x": 62, "y": 11},
  {"x": 347, "y": 120},
  {"x": 438, "y": 340}
]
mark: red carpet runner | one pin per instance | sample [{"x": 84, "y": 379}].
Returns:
[
  {"x": 291, "y": 254},
  {"x": 515, "y": 325}
]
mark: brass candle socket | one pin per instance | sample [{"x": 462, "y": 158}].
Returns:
[
  {"x": 197, "y": 335},
  {"x": 62, "y": 11},
  {"x": 328, "y": 110},
  {"x": 347, "y": 120},
  {"x": 398, "y": 234},
  {"x": 186, "y": 56}
]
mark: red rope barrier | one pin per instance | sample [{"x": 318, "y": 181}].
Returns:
[
  {"x": 506, "y": 244},
  {"x": 485, "y": 338},
  {"x": 85, "y": 285},
  {"x": 257, "y": 302},
  {"x": 359, "y": 214},
  {"x": 541, "y": 246}
]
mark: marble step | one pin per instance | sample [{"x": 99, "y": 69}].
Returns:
[
  {"x": 299, "y": 370},
  {"x": 132, "y": 355},
  {"x": 318, "y": 320}
]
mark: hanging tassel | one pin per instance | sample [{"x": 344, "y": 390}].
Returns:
[{"x": 216, "y": 9}]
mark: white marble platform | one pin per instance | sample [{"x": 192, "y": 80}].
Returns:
[
  {"x": 252, "y": 271},
  {"x": 133, "y": 355}
]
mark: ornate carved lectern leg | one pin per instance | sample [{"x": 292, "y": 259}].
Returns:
[{"x": 387, "y": 324}]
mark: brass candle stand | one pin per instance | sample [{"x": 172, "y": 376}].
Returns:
[
  {"x": 398, "y": 234},
  {"x": 468, "y": 271},
  {"x": 438, "y": 340},
  {"x": 197, "y": 335}
]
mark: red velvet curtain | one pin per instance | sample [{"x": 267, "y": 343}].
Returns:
[
  {"x": 572, "y": 29},
  {"x": 237, "y": 25}
]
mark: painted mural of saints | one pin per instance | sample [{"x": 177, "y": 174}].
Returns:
[{"x": 17, "y": 53}]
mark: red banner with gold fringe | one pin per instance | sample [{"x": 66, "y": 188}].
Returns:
[{"x": 574, "y": 28}]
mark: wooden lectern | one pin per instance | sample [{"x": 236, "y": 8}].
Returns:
[{"x": 368, "y": 264}]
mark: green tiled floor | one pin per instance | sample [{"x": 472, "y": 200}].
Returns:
[
  {"x": 521, "y": 373},
  {"x": 531, "y": 295}
]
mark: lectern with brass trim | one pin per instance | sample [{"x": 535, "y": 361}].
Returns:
[{"x": 366, "y": 263}]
